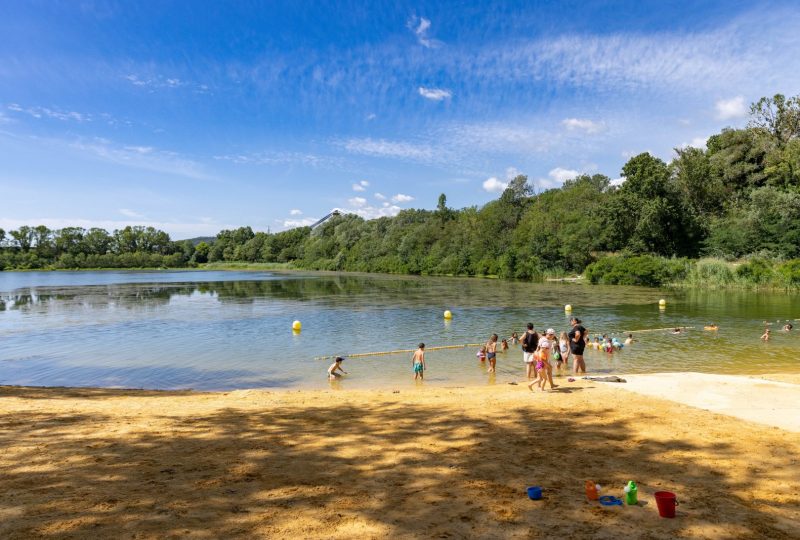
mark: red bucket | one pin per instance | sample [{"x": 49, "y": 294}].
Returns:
[{"x": 666, "y": 502}]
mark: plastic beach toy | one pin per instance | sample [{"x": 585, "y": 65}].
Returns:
[
  {"x": 534, "y": 493},
  {"x": 592, "y": 490},
  {"x": 610, "y": 500},
  {"x": 666, "y": 502},
  {"x": 631, "y": 493}
]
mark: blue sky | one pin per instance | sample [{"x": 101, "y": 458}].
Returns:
[{"x": 198, "y": 116}]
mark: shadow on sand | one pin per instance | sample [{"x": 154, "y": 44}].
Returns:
[{"x": 396, "y": 469}]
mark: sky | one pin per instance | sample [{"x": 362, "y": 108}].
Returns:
[{"x": 196, "y": 116}]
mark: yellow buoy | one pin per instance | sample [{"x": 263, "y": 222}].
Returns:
[
  {"x": 448, "y": 315},
  {"x": 297, "y": 326},
  {"x": 662, "y": 303},
  {"x": 568, "y": 307}
]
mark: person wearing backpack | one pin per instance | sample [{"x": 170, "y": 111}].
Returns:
[{"x": 530, "y": 342}]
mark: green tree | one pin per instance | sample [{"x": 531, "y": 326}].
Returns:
[
  {"x": 201, "y": 251},
  {"x": 646, "y": 215},
  {"x": 777, "y": 116},
  {"x": 23, "y": 237}
]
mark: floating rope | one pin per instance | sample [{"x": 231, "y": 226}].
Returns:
[
  {"x": 399, "y": 351},
  {"x": 657, "y": 329}
]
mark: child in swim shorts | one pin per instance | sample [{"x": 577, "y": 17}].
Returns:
[
  {"x": 418, "y": 362},
  {"x": 491, "y": 353}
]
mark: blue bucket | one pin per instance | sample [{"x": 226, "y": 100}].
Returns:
[{"x": 534, "y": 493}]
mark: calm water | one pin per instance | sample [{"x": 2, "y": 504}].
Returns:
[{"x": 224, "y": 330}]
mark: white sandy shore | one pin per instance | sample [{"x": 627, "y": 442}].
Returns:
[{"x": 762, "y": 401}]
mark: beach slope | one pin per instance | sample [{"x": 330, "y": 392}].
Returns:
[{"x": 418, "y": 463}]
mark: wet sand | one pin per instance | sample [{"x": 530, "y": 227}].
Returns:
[{"x": 409, "y": 463}]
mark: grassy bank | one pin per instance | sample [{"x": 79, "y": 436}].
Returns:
[
  {"x": 706, "y": 273},
  {"x": 247, "y": 266}
]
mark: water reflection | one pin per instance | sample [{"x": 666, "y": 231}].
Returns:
[{"x": 173, "y": 330}]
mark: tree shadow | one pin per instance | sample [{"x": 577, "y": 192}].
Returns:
[{"x": 398, "y": 469}]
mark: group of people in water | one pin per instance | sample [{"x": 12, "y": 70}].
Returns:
[{"x": 539, "y": 351}]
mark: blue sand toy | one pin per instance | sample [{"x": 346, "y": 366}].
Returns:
[
  {"x": 610, "y": 500},
  {"x": 534, "y": 493}
]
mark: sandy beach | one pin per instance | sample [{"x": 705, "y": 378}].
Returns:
[{"x": 398, "y": 463}]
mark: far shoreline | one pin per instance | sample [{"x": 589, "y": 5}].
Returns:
[{"x": 566, "y": 279}]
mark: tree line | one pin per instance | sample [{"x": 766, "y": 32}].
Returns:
[{"x": 737, "y": 198}]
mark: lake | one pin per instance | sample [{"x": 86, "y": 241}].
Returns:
[{"x": 211, "y": 330}]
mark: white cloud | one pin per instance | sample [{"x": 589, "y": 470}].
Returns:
[
  {"x": 697, "y": 142},
  {"x": 556, "y": 177},
  {"x": 295, "y": 212},
  {"x": 361, "y": 186},
  {"x": 141, "y": 157},
  {"x": 159, "y": 81},
  {"x": 505, "y": 137},
  {"x": 371, "y": 116},
  {"x": 372, "y": 212},
  {"x": 435, "y": 94},
  {"x": 384, "y": 148},
  {"x": 731, "y": 108},
  {"x": 303, "y": 222},
  {"x": 357, "y": 202},
  {"x": 618, "y": 181},
  {"x": 493, "y": 185},
  {"x": 583, "y": 124},
  {"x": 380, "y": 196},
  {"x": 46, "y": 112},
  {"x": 420, "y": 27},
  {"x": 285, "y": 158},
  {"x": 400, "y": 198},
  {"x": 561, "y": 175},
  {"x": 130, "y": 213}
]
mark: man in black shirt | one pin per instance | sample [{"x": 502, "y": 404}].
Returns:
[
  {"x": 530, "y": 340},
  {"x": 577, "y": 343}
]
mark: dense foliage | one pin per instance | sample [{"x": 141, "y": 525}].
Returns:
[{"x": 739, "y": 198}]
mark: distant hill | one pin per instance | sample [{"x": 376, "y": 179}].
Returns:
[{"x": 207, "y": 239}]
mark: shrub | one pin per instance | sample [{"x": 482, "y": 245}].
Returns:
[
  {"x": 790, "y": 272},
  {"x": 644, "y": 270}
]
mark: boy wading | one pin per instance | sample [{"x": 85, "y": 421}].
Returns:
[{"x": 530, "y": 341}]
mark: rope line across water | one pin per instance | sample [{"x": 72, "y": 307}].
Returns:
[{"x": 399, "y": 351}]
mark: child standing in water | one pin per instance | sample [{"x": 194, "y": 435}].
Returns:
[
  {"x": 765, "y": 335},
  {"x": 481, "y": 354},
  {"x": 491, "y": 353},
  {"x": 418, "y": 361},
  {"x": 563, "y": 347}
]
